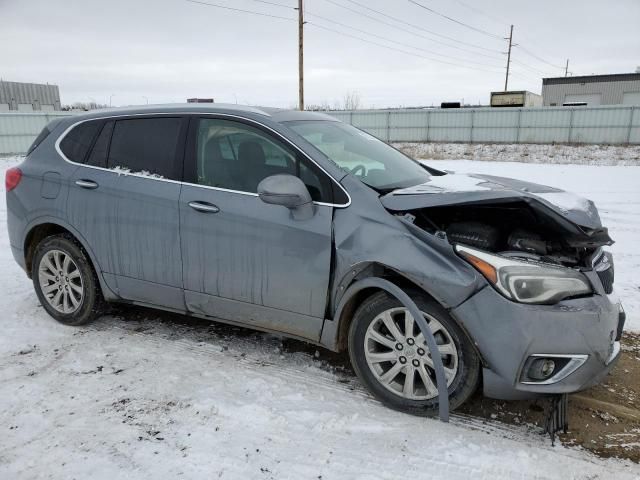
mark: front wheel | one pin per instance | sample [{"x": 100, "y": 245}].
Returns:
[
  {"x": 65, "y": 281},
  {"x": 391, "y": 357}
]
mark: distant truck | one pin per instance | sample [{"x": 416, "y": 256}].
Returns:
[{"x": 516, "y": 99}]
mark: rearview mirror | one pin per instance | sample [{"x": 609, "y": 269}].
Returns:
[{"x": 288, "y": 191}]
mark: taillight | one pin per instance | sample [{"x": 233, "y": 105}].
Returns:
[{"x": 12, "y": 178}]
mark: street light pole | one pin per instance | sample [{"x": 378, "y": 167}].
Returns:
[{"x": 110, "y": 97}]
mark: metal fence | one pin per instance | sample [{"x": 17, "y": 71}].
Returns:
[
  {"x": 18, "y": 130},
  {"x": 614, "y": 125}
]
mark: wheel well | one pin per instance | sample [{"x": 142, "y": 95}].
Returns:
[
  {"x": 346, "y": 316},
  {"x": 35, "y": 236}
]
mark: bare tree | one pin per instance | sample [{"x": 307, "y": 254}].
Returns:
[
  {"x": 322, "y": 106},
  {"x": 86, "y": 106},
  {"x": 352, "y": 100}
]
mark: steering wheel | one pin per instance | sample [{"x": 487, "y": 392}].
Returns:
[{"x": 359, "y": 168}]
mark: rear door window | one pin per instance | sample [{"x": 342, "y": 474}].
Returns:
[
  {"x": 76, "y": 144},
  {"x": 147, "y": 146}
]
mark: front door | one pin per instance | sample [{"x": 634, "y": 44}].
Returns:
[{"x": 244, "y": 260}]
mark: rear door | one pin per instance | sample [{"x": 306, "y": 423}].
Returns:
[
  {"x": 245, "y": 260},
  {"x": 126, "y": 203}
]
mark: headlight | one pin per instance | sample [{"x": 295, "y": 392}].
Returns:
[{"x": 527, "y": 282}]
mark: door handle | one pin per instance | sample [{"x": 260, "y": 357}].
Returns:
[
  {"x": 204, "y": 207},
  {"x": 90, "y": 184}
]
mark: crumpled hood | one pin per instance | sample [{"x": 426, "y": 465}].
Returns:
[{"x": 457, "y": 189}]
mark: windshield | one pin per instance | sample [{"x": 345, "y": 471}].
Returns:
[{"x": 371, "y": 160}]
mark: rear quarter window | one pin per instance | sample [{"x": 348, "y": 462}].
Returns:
[
  {"x": 77, "y": 142},
  {"x": 41, "y": 136}
]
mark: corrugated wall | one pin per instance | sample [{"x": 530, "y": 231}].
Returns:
[
  {"x": 606, "y": 125},
  {"x": 16, "y": 94},
  {"x": 18, "y": 130},
  {"x": 611, "y": 93},
  {"x": 614, "y": 125}
]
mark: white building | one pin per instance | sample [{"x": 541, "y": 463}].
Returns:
[
  {"x": 28, "y": 97},
  {"x": 614, "y": 89}
]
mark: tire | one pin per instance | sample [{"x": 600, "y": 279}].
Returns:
[
  {"x": 79, "y": 298},
  {"x": 373, "y": 353}
]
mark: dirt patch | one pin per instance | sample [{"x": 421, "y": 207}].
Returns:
[{"x": 604, "y": 419}]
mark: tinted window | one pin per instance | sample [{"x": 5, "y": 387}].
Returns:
[
  {"x": 76, "y": 144},
  {"x": 41, "y": 136},
  {"x": 146, "y": 145},
  {"x": 237, "y": 156},
  {"x": 98, "y": 155}
]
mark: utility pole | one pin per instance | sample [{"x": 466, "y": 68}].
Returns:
[
  {"x": 300, "y": 56},
  {"x": 566, "y": 68},
  {"x": 506, "y": 78}
]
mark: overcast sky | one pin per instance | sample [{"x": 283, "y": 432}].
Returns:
[{"x": 169, "y": 50}]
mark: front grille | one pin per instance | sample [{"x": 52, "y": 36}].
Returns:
[{"x": 604, "y": 269}]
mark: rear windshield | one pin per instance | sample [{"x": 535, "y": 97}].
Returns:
[{"x": 375, "y": 163}]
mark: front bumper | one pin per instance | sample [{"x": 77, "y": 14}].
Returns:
[{"x": 507, "y": 334}]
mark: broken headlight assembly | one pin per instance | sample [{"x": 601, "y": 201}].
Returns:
[{"x": 527, "y": 281}]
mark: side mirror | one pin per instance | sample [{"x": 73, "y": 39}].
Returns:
[{"x": 288, "y": 191}]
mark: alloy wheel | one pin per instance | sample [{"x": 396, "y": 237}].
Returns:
[
  {"x": 397, "y": 354},
  {"x": 60, "y": 281}
]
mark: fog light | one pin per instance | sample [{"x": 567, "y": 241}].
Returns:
[{"x": 541, "y": 369}]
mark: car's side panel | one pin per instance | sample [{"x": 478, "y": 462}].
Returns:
[
  {"x": 365, "y": 233},
  {"x": 255, "y": 253},
  {"x": 132, "y": 221},
  {"x": 27, "y": 203},
  {"x": 263, "y": 318},
  {"x": 107, "y": 281},
  {"x": 132, "y": 225}
]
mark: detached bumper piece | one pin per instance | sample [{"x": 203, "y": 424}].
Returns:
[{"x": 557, "y": 418}]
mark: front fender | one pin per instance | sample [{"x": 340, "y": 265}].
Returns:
[
  {"x": 394, "y": 290},
  {"x": 366, "y": 233}
]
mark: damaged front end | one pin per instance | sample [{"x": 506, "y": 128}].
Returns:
[
  {"x": 541, "y": 250},
  {"x": 514, "y": 219}
]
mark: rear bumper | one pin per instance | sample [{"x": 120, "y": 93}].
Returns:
[
  {"x": 507, "y": 334},
  {"x": 18, "y": 255}
]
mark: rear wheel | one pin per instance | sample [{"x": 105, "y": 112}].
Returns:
[
  {"x": 65, "y": 281},
  {"x": 391, "y": 357}
]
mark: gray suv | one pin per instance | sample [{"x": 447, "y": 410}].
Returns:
[{"x": 283, "y": 221}]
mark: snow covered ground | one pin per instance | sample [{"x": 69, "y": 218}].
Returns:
[
  {"x": 526, "y": 152},
  {"x": 151, "y": 395}
]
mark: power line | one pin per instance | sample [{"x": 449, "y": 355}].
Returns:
[
  {"x": 431, "y": 52},
  {"x": 471, "y": 27},
  {"x": 530, "y": 53},
  {"x": 530, "y": 68},
  {"x": 480, "y": 30},
  {"x": 241, "y": 10},
  {"x": 275, "y": 4},
  {"x": 397, "y": 49},
  {"x": 418, "y": 27},
  {"x": 480, "y": 12}
]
